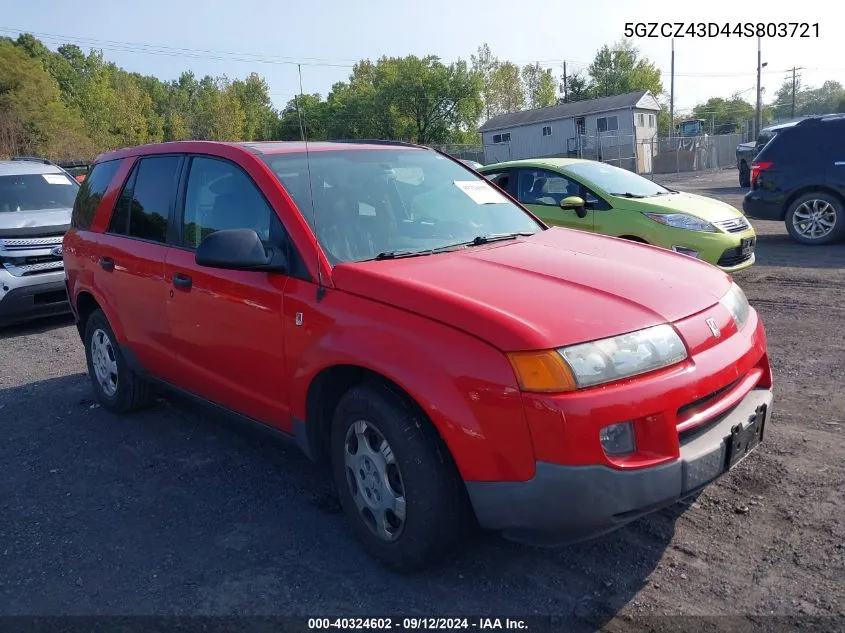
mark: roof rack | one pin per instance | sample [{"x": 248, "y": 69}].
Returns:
[
  {"x": 33, "y": 159},
  {"x": 821, "y": 117},
  {"x": 375, "y": 141}
]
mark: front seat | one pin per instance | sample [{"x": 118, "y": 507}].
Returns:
[{"x": 341, "y": 230}]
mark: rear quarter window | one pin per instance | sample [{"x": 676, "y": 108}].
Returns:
[{"x": 91, "y": 193}]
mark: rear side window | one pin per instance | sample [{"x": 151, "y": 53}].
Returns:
[
  {"x": 145, "y": 204},
  {"x": 797, "y": 145},
  {"x": 91, "y": 193}
]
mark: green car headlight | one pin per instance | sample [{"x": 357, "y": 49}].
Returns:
[
  {"x": 736, "y": 303},
  {"x": 623, "y": 356},
  {"x": 682, "y": 221}
]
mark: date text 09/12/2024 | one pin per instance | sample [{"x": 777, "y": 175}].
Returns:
[
  {"x": 725, "y": 29},
  {"x": 416, "y": 624}
]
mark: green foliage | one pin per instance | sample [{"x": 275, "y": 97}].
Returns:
[
  {"x": 825, "y": 99},
  {"x": 540, "y": 86},
  {"x": 725, "y": 116},
  {"x": 620, "y": 70}
]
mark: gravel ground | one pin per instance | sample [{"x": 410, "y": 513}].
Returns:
[{"x": 178, "y": 511}]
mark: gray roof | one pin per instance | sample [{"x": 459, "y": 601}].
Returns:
[
  {"x": 563, "y": 111},
  {"x": 18, "y": 167}
]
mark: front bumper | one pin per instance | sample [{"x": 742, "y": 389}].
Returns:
[
  {"x": 32, "y": 296},
  {"x": 564, "y": 504}
]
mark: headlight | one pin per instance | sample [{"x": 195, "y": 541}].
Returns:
[
  {"x": 682, "y": 221},
  {"x": 598, "y": 362},
  {"x": 736, "y": 303}
]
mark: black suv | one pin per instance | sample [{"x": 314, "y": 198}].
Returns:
[{"x": 799, "y": 177}]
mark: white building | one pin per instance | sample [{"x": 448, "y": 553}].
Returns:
[{"x": 614, "y": 129}]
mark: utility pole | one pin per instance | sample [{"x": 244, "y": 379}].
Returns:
[
  {"x": 672, "y": 93},
  {"x": 759, "y": 118},
  {"x": 793, "y": 88},
  {"x": 565, "y": 93}
]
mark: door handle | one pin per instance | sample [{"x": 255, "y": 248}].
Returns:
[
  {"x": 180, "y": 280},
  {"x": 107, "y": 263}
]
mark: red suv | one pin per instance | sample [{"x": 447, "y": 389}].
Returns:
[{"x": 408, "y": 324}]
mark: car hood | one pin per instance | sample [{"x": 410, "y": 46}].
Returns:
[
  {"x": 20, "y": 223},
  {"x": 555, "y": 288},
  {"x": 681, "y": 202}
]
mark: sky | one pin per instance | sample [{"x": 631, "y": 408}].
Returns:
[{"x": 233, "y": 38}]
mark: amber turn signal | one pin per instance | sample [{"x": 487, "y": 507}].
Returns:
[{"x": 542, "y": 371}]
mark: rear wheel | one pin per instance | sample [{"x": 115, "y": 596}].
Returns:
[
  {"x": 816, "y": 218},
  {"x": 744, "y": 175},
  {"x": 398, "y": 486},
  {"x": 117, "y": 388}
]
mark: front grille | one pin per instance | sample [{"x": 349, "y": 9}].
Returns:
[
  {"x": 30, "y": 243},
  {"x": 734, "y": 225},
  {"x": 22, "y": 270}
]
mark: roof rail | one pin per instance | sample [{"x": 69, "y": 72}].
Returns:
[
  {"x": 375, "y": 141},
  {"x": 821, "y": 117},
  {"x": 70, "y": 164},
  {"x": 33, "y": 159}
]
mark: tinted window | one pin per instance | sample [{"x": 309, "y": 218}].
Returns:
[
  {"x": 120, "y": 218},
  {"x": 541, "y": 186},
  {"x": 91, "y": 193},
  {"x": 372, "y": 201},
  {"x": 152, "y": 196},
  {"x": 31, "y": 192},
  {"x": 221, "y": 196}
]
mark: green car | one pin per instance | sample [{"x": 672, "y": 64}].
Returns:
[{"x": 598, "y": 197}]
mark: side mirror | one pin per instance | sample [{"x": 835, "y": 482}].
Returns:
[
  {"x": 576, "y": 203},
  {"x": 239, "y": 249}
]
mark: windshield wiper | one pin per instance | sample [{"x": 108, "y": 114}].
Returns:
[
  {"x": 476, "y": 241},
  {"x": 627, "y": 195},
  {"x": 496, "y": 237},
  {"x": 399, "y": 254}
]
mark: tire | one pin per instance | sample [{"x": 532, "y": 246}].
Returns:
[
  {"x": 117, "y": 388},
  {"x": 436, "y": 508},
  {"x": 816, "y": 218},
  {"x": 744, "y": 175}
]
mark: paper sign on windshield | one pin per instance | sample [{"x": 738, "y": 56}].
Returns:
[
  {"x": 56, "y": 179},
  {"x": 480, "y": 192}
]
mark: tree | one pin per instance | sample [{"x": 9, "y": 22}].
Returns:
[
  {"x": 313, "y": 111},
  {"x": 33, "y": 118},
  {"x": 506, "y": 89},
  {"x": 577, "y": 87},
  {"x": 620, "y": 70},
  {"x": 727, "y": 116},
  {"x": 484, "y": 64},
  {"x": 260, "y": 120},
  {"x": 808, "y": 100},
  {"x": 540, "y": 86}
]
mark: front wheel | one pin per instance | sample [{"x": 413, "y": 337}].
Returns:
[
  {"x": 398, "y": 486},
  {"x": 816, "y": 218}
]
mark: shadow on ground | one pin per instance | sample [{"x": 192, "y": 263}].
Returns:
[
  {"x": 176, "y": 510},
  {"x": 35, "y": 326}
]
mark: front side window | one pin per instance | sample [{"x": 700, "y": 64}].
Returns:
[
  {"x": 370, "y": 202},
  {"x": 220, "y": 195},
  {"x": 544, "y": 187},
  {"x": 34, "y": 192},
  {"x": 144, "y": 205}
]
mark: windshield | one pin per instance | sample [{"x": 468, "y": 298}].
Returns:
[
  {"x": 32, "y": 192},
  {"x": 615, "y": 180},
  {"x": 372, "y": 202}
]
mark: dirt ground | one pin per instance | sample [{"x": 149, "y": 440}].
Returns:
[{"x": 175, "y": 511}]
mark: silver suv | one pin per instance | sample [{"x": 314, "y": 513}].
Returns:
[{"x": 36, "y": 200}]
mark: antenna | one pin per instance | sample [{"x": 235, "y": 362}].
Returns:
[{"x": 303, "y": 130}]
